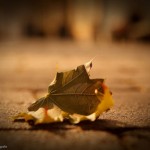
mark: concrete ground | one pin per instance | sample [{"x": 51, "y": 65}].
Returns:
[{"x": 28, "y": 66}]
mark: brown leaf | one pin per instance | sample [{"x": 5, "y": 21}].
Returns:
[{"x": 71, "y": 95}]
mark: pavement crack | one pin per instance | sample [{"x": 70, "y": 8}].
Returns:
[{"x": 34, "y": 92}]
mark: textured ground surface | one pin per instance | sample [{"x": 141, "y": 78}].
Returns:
[{"x": 27, "y": 68}]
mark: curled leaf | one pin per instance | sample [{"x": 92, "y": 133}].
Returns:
[{"x": 72, "y": 95}]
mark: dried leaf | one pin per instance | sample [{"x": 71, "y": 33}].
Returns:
[{"x": 72, "y": 95}]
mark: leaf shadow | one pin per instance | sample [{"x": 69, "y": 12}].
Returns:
[{"x": 112, "y": 126}]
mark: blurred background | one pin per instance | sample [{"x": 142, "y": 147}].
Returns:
[
  {"x": 81, "y": 20},
  {"x": 36, "y": 37}
]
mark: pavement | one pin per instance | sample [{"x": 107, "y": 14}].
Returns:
[{"x": 28, "y": 66}]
